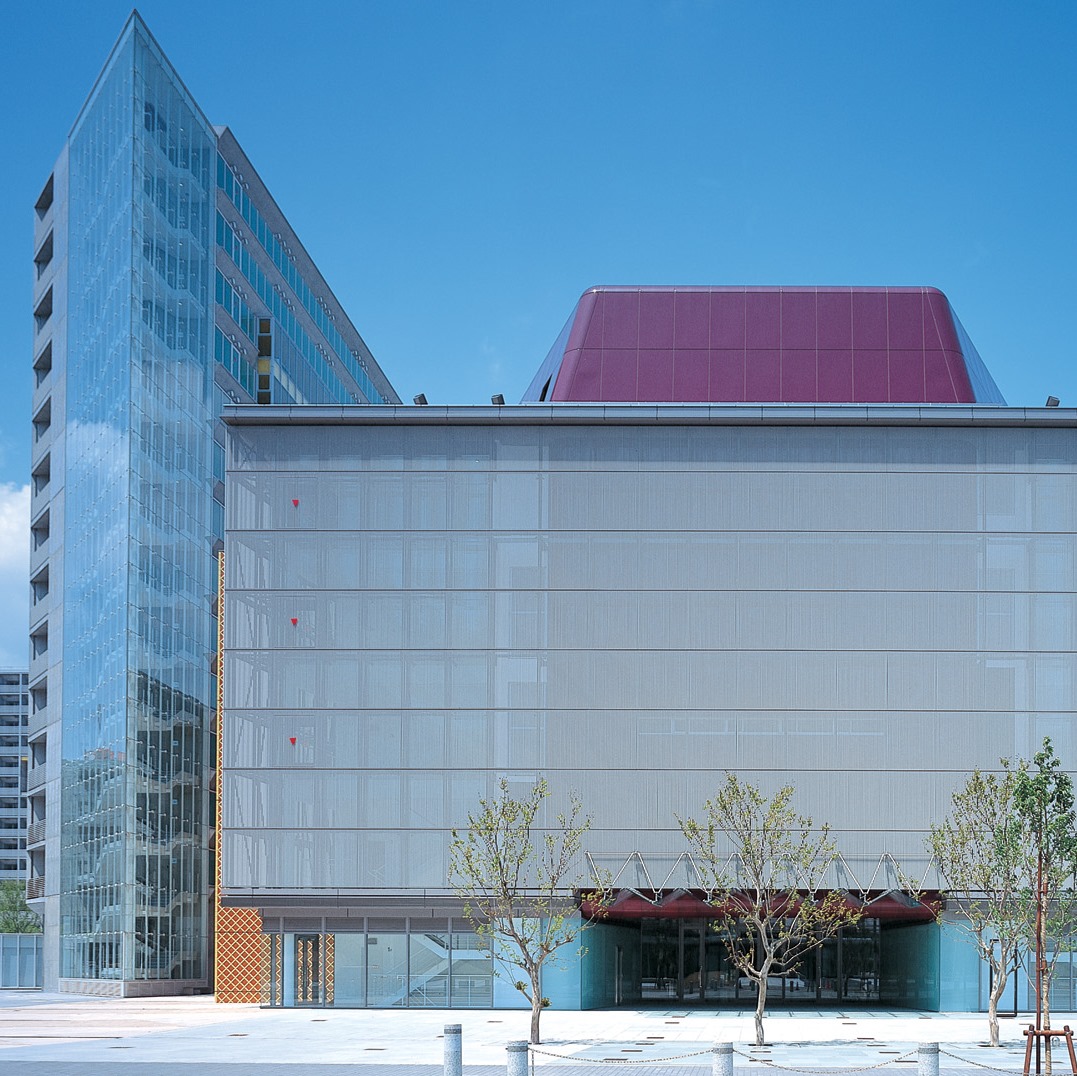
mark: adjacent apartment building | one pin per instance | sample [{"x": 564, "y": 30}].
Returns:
[
  {"x": 167, "y": 283},
  {"x": 14, "y": 767},
  {"x": 794, "y": 533}
]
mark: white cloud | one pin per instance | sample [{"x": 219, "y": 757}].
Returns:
[{"x": 14, "y": 574}]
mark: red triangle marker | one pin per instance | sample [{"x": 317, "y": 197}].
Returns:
[
  {"x": 295, "y": 620},
  {"x": 295, "y": 502},
  {"x": 292, "y": 739}
]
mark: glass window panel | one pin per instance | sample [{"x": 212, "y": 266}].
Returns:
[{"x": 387, "y": 969}]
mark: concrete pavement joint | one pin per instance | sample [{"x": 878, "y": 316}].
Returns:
[{"x": 57, "y": 1035}]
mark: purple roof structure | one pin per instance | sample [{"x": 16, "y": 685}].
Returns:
[{"x": 763, "y": 345}]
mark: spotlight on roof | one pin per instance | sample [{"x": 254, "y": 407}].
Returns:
[
  {"x": 498, "y": 400},
  {"x": 1052, "y": 401},
  {"x": 419, "y": 400}
]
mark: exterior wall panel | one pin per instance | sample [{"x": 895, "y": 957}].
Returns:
[{"x": 865, "y": 612}]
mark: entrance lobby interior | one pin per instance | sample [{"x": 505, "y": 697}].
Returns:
[
  {"x": 890, "y": 959},
  {"x": 686, "y": 961}
]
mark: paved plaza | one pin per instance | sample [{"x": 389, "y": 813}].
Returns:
[{"x": 63, "y": 1035}]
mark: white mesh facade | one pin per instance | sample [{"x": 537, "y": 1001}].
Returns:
[{"x": 867, "y": 611}]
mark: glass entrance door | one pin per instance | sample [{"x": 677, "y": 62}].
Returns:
[
  {"x": 685, "y": 962},
  {"x": 308, "y": 969},
  {"x": 692, "y": 931},
  {"x": 660, "y": 959},
  {"x": 717, "y": 968}
]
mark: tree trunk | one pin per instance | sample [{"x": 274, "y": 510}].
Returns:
[
  {"x": 992, "y": 1003},
  {"x": 536, "y": 1004},
  {"x": 1046, "y": 1021},
  {"x": 760, "y": 1005},
  {"x": 1044, "y": 985}
]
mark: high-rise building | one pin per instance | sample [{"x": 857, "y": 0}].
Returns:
[
  {"x": 167, "y": 283},
  {"x": 14, "y": 762}
]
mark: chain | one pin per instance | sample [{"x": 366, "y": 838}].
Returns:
[
  {"x": 978, "y": 1064},
  {"x": 532, "y": 1050},
  {"x": 617, "y": 1060},
  {"x": 827, "y": 1072}
]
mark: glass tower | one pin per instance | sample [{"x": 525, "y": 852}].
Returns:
[{"x": 167, "y": 283}]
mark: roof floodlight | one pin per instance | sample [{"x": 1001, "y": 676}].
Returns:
[
  {"x": 1052, "y": 401},
  {"x": 498, "y": 400},
  {"x": 419, "y": 399}
]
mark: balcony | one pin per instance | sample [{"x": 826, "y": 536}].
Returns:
[
  {"x": 43, "y": 311},
  {"x": 44, "y": 201},
  {"x": 35, "y": 779}
]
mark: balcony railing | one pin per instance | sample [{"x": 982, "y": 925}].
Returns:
[
  {"x": 35, "y": 832},
  {"x": 35, "y": 887}
]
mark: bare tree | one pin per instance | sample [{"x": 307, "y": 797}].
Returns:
[
  {"x": 1044, "y": 804},
  {"x": 772, "y": 907},
  {"x": 519, "y": 883},
  {"x": 985, "y": 859}
]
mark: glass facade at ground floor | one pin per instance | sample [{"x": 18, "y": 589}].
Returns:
[
  {"x": 686, "y": 961},
  {"x": 441, "y": 963},
  {"x": 422, "y": 962},
  {"x": 21, "y": 961},
  {"x": 397, "y": 964}
]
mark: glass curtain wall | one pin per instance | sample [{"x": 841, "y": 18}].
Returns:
[
  {"x": 429, "y": 963},
  {"x": 389, "y": 964},
  {"x": 138, "y": 565},
  {"x": 685, "y": 961},
  {"x": 93, "y": 841}
]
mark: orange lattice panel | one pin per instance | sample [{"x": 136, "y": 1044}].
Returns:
[
  {"x": 241, "y": 954},
  {"x": 330, "y": 948},
  {"x": 242, "y": 957}
]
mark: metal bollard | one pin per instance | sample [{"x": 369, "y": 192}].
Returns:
[
  {"x": 722, "y": 1059},
  {"x": 517, "y": 1065},
  {"x": 453, "y": 1055},
  {"x": 927, "y": 1061}
]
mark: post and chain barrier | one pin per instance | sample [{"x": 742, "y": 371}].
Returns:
[
  {"x": 454, "y": 1061},
  {"x": 977, "y": 1064},
  {"x": 835, "y": 1072},
  {"x": 624, "y": 1061},
  {"x": 521, "y": 1058},
  {"x": 519, "y": 1053}
]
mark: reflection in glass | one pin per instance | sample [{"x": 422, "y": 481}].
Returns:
[
  {"x": 686, "y": 960},
  {"x": 349, "y": 967},
  {"x": 387, "y": 970}
]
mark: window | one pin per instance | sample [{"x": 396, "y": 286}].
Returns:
[
  {"x": 43, "y": 311},
  {"x": 44, "y": 200},
  {"x": 43, "y": 364},
  {"x": 43, "y": 257}
]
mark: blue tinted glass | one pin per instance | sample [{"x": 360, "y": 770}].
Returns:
[
  {"x": 315, "y": 307},
  {"x": 138, "y": 560}
]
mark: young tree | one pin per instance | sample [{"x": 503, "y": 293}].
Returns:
[
  {"x": 15, "y": 914},
  {"x": 518, "y": 883},
  {"x": 983, "y": 855},
  {"x": 773, "y": 907},
  {"x": 1044, "y": 803}
]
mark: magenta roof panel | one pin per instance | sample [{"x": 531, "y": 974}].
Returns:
[{"x": 763, "y": 345}]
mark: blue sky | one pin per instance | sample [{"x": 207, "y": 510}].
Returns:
[{"x": 461, "y": 172}]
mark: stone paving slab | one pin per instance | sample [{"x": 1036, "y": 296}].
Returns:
[
  {"x": 64, "y": 1035},
  {"x": 265, "y": 1068}
]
